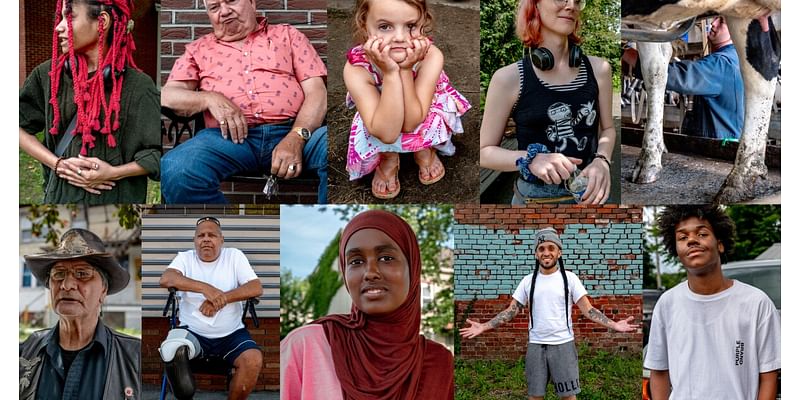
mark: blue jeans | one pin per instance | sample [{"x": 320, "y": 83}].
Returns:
[
  {"x": 191, "y": 173},
  {"x": 531, "y": 190}
]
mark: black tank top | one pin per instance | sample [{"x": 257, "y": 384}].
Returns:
[{"x": 562, "y": 117}]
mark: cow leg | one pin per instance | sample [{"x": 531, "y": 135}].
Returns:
[
  {"x": 759, "y": 71},
  {"x": 654, "y": 58}
]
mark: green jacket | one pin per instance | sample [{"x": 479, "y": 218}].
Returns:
[{"x": 138, "y": 138}]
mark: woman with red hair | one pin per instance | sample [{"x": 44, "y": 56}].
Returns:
[
  {"x": 99, "y": 112},
  {"x": 560, "y": 100}
]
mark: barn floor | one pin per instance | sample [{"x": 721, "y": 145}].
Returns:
[{"x": 688, "y": 180}]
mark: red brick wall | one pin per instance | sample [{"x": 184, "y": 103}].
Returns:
[
  {"x": 37, "y": 30},
  {"x": 510, "y": 341},
  {"x": 183, "y": 21},
  {"x": 514, "y": 218},
  {"x": 154, "y": 330}
]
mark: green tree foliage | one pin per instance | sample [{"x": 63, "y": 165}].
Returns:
[
  {"x": 500, "y": 45},
  {"x": 294, "y": 310},
  {"x": 757, "y": 228},
  {"x": 324, "y": 281},
  {"x": 45, "y": 219}
]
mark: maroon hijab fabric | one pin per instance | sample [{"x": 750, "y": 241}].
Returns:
[{"x": 385, "y": 357}]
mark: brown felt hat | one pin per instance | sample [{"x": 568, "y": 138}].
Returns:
[{"x": 80, "y": 244}]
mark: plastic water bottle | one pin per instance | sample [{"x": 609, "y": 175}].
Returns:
[{"x": 576, "y": 184}]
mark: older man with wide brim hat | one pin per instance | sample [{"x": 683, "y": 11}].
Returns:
[{"x": 79, "y": 357}]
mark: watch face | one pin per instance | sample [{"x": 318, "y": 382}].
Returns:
[{"x": 304, "y": 133}]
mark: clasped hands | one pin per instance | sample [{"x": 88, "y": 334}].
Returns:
[{"x": 90, "y": 173}]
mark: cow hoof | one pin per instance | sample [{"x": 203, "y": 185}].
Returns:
[
  {"x": 645, "y": 173},
  {"x": 736, "y": 191}
]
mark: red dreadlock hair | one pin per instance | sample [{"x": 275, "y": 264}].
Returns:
[{"x": 90, "y": 92}]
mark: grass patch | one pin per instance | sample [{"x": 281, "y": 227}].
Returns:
[
  {"x": 604, "y": 376},
  {"x": 30, "y": 177}
]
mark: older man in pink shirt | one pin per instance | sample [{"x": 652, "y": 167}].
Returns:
[{"x": 263, "y": 96}]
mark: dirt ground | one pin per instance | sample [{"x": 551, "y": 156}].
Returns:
[
  {"x": 456, "y": 35},
  {"x": 688, "y": 180}
]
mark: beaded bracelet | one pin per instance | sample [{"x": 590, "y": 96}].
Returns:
[
  {"x": 55, "y": 167},
  {"x": 524, "y": 162}
]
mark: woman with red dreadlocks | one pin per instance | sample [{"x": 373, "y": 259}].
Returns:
[{"x": 99, "y": 112}]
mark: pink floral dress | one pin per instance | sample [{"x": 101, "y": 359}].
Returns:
[{"x": 443, "y": 120}]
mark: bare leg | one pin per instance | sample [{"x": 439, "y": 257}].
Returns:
[{"x": 248, "y": 366}]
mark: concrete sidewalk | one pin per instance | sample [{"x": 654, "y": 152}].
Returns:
[{"x": 152, "y": 392}]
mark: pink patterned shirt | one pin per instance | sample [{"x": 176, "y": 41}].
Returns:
[
  {"x": 307, "y": 370},
  {"x": 261, "y": 74}
]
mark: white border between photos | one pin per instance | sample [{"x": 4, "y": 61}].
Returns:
[{"x": 9, "y": 237}]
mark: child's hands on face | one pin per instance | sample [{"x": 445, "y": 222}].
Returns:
[
  {"x": 379, "y": 54},
  {"x": 416, "y": 53}
]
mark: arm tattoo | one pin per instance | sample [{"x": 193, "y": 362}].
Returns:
[
  {"x": 504, "y": 316},
  {"x": 598, "y": 317}
]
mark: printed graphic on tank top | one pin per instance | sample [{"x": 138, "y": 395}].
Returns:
[{"x": 561, "y": 117}]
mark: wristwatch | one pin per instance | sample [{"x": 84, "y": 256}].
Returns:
[{"x": 304, "y": 133}]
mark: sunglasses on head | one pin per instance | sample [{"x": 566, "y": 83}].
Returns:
[{"x": 204, "y": 219}]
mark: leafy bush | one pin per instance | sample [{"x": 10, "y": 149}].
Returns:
[{"x": 500, "y": 45}]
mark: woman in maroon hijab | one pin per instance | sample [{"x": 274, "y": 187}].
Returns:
[{"x": 376, "y": 351}]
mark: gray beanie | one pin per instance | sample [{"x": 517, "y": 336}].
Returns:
[{"x": 548, "y": 235}]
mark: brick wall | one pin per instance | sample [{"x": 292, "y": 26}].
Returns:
[
  {"x": 183, "y": 21},
  {"x": 495, "y": 250},
  {"x": 154, "y": 330},
  {"x": 36, "y": 35}
]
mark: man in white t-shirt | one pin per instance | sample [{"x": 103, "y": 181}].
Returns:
[
  {"x": 711, "y": 337},
  {"x": 214, "y": 281},
  {"x": 551, "y": 351}
]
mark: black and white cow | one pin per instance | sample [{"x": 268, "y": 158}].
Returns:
[{"x": 759, "y": 60}]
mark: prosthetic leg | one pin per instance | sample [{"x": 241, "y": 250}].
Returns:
[{"x": 176, "y": 350}]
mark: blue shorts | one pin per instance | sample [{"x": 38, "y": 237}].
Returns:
[{"x": 228, "y": 347}]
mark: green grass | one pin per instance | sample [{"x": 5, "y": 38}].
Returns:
[
  {"x": 30, "y": 178},
  {"x": 31, "y": 181},
  {"x": 603, "y": 376}
]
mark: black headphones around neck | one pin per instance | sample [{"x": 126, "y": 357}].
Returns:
[
  {"x": 543, "y": 58},
  {"x": 106, "y": 71}
]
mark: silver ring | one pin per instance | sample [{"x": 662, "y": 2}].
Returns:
[
  {"x": 291, "y": 167},
  {"x": 222, "y": 122},
  {"x": 95, "y": 166},
  {"x": 79, "y": 172}
]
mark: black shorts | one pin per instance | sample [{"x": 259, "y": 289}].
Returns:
[{"x": 227, "y": 347}]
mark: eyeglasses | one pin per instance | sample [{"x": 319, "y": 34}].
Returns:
[
  {"x": 81, "y": 274},
  {"x": 579, "y": 4}
]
